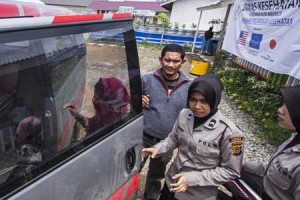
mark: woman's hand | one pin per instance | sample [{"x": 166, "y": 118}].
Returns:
[
  {"x": 181, "y": 185},
  {"x": 80, "y": 118},
  {"x": 149, "y": 152},
  {"x": 72, "y": 109},
  {"x": 145, "y": 101}
]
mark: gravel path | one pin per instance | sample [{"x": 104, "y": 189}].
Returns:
[{"x": 255, "y": 148}]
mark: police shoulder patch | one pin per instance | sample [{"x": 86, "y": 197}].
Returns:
[
  {"x": 236, "y": 139},
  {"x": 236, "y": 145}
]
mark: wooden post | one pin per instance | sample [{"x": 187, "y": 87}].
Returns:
[{"x": 223, "y": 28}]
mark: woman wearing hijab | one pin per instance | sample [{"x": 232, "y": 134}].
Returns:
[
  {"x": 210, "y": 146},
  {"x": 281, "y": 176},
  {"x": 110, "y": 102}
]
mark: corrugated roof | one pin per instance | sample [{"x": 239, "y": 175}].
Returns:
[
  {"x": 114, "y": 5},
  {"x": 82, "y": 3}
]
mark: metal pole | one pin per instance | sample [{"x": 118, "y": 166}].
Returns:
[
  {"x": 162, "y": 37},
  {"x": 196, "y": 34}
]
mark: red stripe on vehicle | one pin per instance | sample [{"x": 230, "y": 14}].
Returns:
[
  {"x": 67, "y": 129},
  {"x": 133, "y": 187},
  {"x": 30, "y": 10},
  {"x": 9, "y": 10},
  {"x": 76, "y": 18},
  {"x": 121, "y": 15},
  {"x": 68, "y": 125},
  {"x": 118, "y": 194}
]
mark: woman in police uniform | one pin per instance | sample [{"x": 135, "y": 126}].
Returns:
[
  {"x": 210, "y": 145},
  {"x": 281, "y": 176}
]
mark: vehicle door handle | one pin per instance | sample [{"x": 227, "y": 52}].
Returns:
[{"x": 130, "y": 159}]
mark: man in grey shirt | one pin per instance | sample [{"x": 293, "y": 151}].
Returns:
[{"x": 165, "y": 92}]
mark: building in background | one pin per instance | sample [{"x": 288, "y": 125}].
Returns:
[
  {"x": 143, "y": 10},
  {"x": 77, "y": 6},
  {"x": 185, "y": 12}
]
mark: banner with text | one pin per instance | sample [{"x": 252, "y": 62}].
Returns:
[{"x": 266, "y": 33}]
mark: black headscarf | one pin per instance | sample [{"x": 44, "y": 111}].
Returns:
[
  {"x": 291, "y": 98},
  {"x": 210, "y": 86}
]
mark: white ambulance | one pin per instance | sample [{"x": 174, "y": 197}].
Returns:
[{"x": 49, "y": 58}]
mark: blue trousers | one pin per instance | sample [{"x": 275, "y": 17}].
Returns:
[{"x": 206, "y": 47}]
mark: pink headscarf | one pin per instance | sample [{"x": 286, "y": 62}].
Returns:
[{"x": 116, "y": 99}]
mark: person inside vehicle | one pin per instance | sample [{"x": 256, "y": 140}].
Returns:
[
  {"x": 29, "y": 140},
  {"x": 29, "y": 143},
  {"x": 210, "y": 146},
  {"x": 110, "y": 101},
  {"x": 280, "y": 178}
]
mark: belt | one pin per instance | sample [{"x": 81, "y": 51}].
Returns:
[{"x": 154, "y": 139}]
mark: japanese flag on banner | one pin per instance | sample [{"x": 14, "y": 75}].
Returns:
[{"x": 272, "y": 44}]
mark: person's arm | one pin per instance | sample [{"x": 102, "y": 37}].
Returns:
[
  {"x": 79, "y": 117},
  {"x": 232, "y": 147},
  {"x": 296, "y": 179},
  {"x": 170, "y": 143},
  {"x": 255, "y": 168}
]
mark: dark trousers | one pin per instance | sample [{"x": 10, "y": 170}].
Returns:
[
  {"x": 256, "y": 183},
  {"x": 166, "y": 194},
  {"x": 156, "y": 170}
]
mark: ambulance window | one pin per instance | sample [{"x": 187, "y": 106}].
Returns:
[
  {"x": 106, "y": 93},
  {"x": 74, "y": 89},
  {"x": 22, "y": 96}
]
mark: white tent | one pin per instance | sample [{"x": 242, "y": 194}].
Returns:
[{"x": 214, "y": 5}]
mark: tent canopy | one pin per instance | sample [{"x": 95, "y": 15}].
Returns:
[{"x": 215, "y": 4}]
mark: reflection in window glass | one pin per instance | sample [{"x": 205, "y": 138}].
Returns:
[{"x": 54, "y": 94}]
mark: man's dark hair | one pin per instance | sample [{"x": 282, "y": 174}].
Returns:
[{"x": 173, "y": 48}]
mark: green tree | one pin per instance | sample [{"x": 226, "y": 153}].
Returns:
[{"x": 165, "y": 20}]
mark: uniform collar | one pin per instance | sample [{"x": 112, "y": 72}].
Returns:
[
  {"x": 211, "y": 123},
  {"x": 295, "y": 148}
]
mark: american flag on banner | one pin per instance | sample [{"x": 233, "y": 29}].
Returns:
[{"x": 242, "y": 38}]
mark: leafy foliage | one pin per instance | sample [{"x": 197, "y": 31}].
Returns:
[
  {"x": 193, "y": 26},
  {"x": 257, "y": 97},
  {"x": 165, "y": 20},
  {"x": 219, "y": 58}
]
